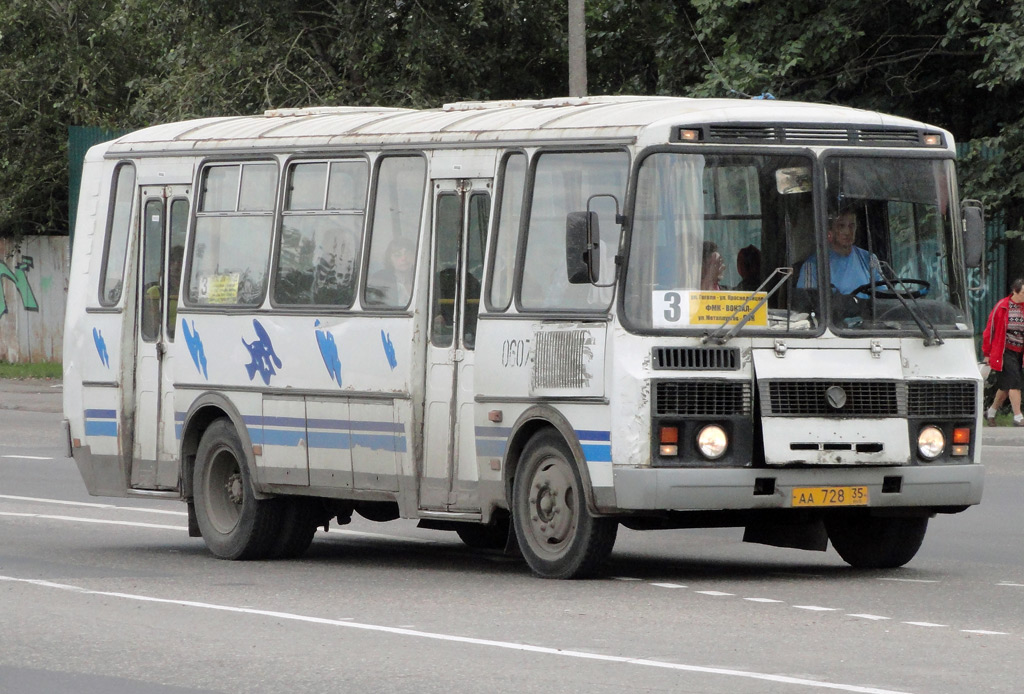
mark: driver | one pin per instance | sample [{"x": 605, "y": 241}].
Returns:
[{"x": 849, "y": 265}]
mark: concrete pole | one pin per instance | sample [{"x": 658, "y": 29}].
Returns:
[{"x": 577, "y": 49}]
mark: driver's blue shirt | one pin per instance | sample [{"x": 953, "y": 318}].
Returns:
[{"x": 847, "y": 271}]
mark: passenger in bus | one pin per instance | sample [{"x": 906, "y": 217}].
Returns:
[
  {"x": 392, "y": 285},
  {"x": 1002, "y": 345},
  {"x": 850, "y": 266},
  {"x": 748, "y": 265},
  {"x": 712, "y": 268}
]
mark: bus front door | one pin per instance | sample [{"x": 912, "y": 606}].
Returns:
[
  {"x": 448, "y": 480},
  {"x": 154, "y": 442}
]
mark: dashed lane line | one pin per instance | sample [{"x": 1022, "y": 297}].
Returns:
[
  {"x": 452, "y": 638},
  {"x": 819, "y": 608}
]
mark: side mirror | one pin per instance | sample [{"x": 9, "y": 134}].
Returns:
[
  {"x": 974, "y": 233},
  {"x": 582, "y": 257}
]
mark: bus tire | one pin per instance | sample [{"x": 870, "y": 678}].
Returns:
[
  {"x": 557, "y": 535},
  {"x": 876, "y": 542},
  {"x": 234, "y": 523},
  {"x": 298, "y": 526}
]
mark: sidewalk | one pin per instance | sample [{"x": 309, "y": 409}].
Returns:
[{"x": 36, "y": 395}]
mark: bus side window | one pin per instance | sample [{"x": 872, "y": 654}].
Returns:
[
  {"x": 118, "y": 226},
  {"x": 152, "y": 268},
  {"x": 479, "y": 212},
  {"x": 234, "y": 223},
  {"x": 397, "y": 207},
  {"x": 321, "y": 233},
  {"x": 176, "y": 256},
  {"x": 564, "y": 183},
  {"x": 503, "y": 254}
]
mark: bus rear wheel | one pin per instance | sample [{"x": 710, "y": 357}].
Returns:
[
  {"x": 233, "y": 522},
  {"x": 298, "y": 526},
  {"x": 876, "y": 542},
  {"x": 557, "y": 535}
]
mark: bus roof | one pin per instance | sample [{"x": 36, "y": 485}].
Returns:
[{"x": 599, "y": 118}]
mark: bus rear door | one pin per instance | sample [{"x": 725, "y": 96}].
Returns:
[{"x": 154, "y": 445}]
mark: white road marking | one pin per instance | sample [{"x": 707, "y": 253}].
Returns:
[
  {"x": 816, "y": 608},
  {"x": 716, "y": 593},
  {"x": 87, "y": 504},
  {"x": 926, "y": 624},
  {"x": 26, "y": 457},
  {"x": 762, "y": 600},
  {"x": 876, "y": 617},
  {"x": 99, "y": 521},
  {"x": 668, "y": 585},
  {"x": 1007, "y": 584},
  {"x": 984, "y": 632},
  {"x": 507, "y": 645},
  {"x": 908, "y": 580}
]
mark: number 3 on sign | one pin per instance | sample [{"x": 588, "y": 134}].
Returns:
[{"x": 670, "y": 308}]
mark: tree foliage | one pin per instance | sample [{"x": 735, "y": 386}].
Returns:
[{"x": 130, "y": 63}]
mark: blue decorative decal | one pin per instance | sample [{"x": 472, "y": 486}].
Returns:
[
  {"x": 195, "y": 347},
  {"x": 329, "y": 352},
  {"x": 101, "y": 347},
  {"x": 389, "y": 350},
  {"x": 101, "y": 423},
  {"x": 264, "y": 359}
]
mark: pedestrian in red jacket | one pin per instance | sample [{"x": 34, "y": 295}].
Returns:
[{"x": 1002, "y": 345}]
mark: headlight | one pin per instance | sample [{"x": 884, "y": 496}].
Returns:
[
  {"x": 930, "y": 443},
  {"x": 712, "y": 441}
]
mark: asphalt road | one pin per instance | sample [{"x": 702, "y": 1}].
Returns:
[{"x": 111, "y": 595}]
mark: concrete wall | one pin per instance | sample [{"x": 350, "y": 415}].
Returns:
[{"x": 33, "y": 280}]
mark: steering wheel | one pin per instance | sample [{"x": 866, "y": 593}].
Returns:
[{"x": 922, "y": 288}]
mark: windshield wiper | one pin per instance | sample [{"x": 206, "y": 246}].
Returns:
[
  {"x": 718, "y": 338},
  {"x": 927, "y": 328}
]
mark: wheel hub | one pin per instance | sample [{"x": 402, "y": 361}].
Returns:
[
  {"x": 553, "y": 505},
  {"x": 234, "y": 489}
]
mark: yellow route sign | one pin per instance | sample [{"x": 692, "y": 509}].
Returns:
[{"x": 683, "y": 308}]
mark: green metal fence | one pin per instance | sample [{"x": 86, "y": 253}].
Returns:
[
  {"x": 80, "y": 139},
  {"x": 995, "y": 284}
]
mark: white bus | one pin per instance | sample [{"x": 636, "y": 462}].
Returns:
[{"x": 530, "y": 322}]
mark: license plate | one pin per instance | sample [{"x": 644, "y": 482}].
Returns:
[{"x": 830, "y": 496}]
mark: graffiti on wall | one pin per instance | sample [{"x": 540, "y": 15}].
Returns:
[{"x": 19, "y": 277}]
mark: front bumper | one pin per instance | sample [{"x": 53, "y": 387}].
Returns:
[{"x": 703, "y": 489}]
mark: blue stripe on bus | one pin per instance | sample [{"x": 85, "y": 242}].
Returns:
[
  {"x": 493, "y": 432},
  {"x": 490, "y": 448},
  {"x": 283, "y": 437},
  {"x": 585, "y": 435},
  {"x": 101, "y": 414},
  {"x": 597, "y": 453},
  {"x": 337, "y": 440},
  {"x": 102, "y": 428}
]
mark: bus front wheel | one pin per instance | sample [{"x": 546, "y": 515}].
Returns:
[
  {"x": 876, "y": 542},
  {"x": 233, "y": 522},
  {"x": 557, "y": 535}
]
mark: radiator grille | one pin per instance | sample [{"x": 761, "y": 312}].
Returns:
[
  {"x": 810, "y": 399},
  {"x": 696, "y": 358},
  {"x": 710, "y": 398},
  {"x": 938, "y": 399}
]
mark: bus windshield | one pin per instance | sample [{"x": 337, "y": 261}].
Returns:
[
  {"x": 713, "y": 236},
  {"x": 890, "y": 233},
  {"x": 708, "y": 231}
]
